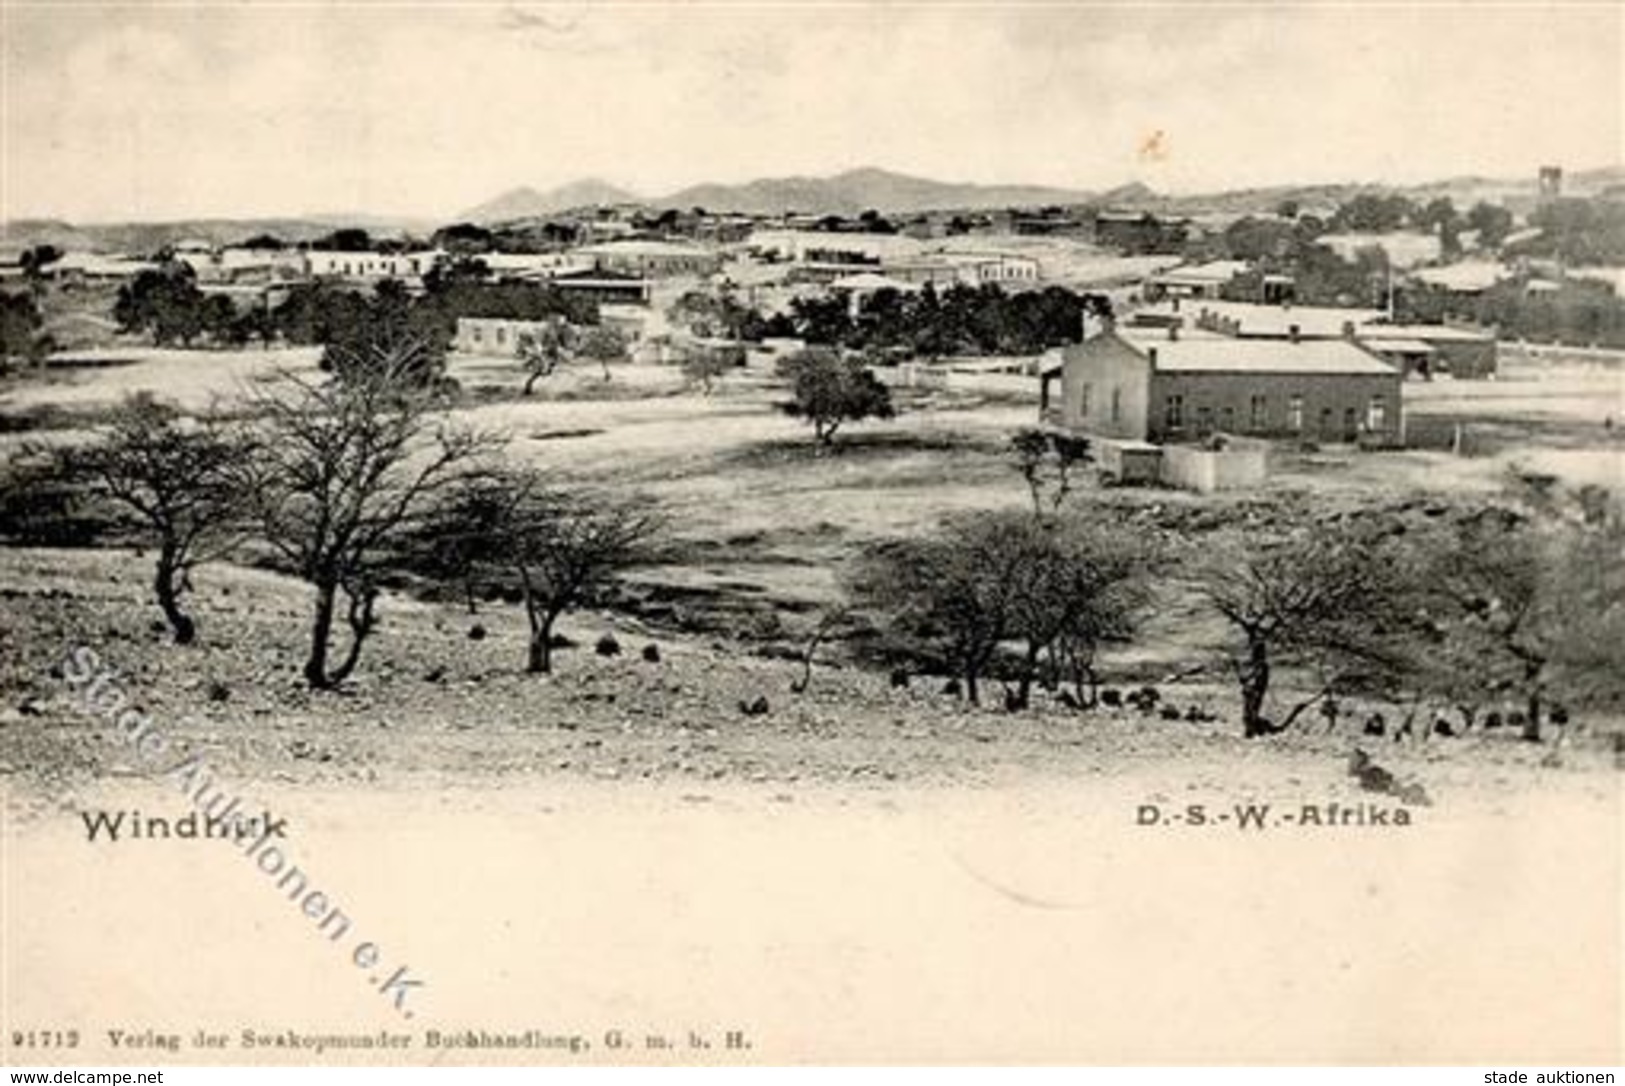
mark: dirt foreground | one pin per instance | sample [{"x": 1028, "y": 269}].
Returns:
[{"x": 616, "y": 865}]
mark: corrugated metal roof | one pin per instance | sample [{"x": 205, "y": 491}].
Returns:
[
  {"x": 1321, "y": 356},
  {"x": 1428, "y": 333}
]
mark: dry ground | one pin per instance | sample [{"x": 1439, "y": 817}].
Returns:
[
  {"x": 762, "y": 528},
  {"x": 861, "y": 874}
]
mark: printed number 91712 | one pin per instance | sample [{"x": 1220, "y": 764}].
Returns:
[{"x": 45, "y": 1038}]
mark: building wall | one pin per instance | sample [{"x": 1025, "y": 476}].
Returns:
[
  {"x": 1005, "y": 268},
  {"x": 1207, "y": 470},
  {"x": 1334, "y": 407},
  {"x": 491, "y": 335},
  {"x": 1105, "y": 388},
  {"x": 656, "y": 265},
  {"x": 368, "y": 265}
]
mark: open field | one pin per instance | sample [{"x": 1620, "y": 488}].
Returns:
[
  {"x": 761, "y": 530},
  {"x": 756, "y": 511}
]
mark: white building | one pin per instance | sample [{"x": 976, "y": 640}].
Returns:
[
  {"x": 650, "y": 259},
  {"x": 492, "y": 335},
  {"x": 967, "y": 269},
  {"x": 533, "y": 265},
  {"x": 236, "y": 262},
  {"x": 368, "y": 265}
]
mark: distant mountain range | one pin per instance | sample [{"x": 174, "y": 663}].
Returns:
[
  {"x": 856, "y": 191},
  {"x": 848, "y": 193}
]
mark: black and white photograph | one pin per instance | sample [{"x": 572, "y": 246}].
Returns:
[{"x": 819, "y": 533}]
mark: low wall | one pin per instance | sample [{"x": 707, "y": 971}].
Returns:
[{"x": 1206, "y": 470}]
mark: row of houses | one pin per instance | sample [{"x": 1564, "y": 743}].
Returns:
[{"x": 903, "y": 263}]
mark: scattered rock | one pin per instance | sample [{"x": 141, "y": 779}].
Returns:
[
  {"x": 651, "y": 653},
  {"x": 607, "y": 646},
  {"x": 476, "y": 632}
]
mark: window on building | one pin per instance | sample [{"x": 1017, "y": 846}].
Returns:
[
  {"x": 502, "y": 337},
  {"x": 1204, "y": 419},
  {"x": 1176, "y": 412},
  {"x": 1083, "y": 399},
  {"x": 1376, "y": 417},
  {"x": 1259, "y": 412},
  {"x": 1294, "y": 413},
  {"x": 1326, "y": 421},
  {"x": 1227, "y": 419},
  {"x": 1117, "y": 405}
]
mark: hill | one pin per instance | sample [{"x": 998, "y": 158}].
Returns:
[
  {"x": 855, "y": 191},
  {"x": 526, "y": 202}
]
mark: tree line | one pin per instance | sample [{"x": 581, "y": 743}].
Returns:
[
  {"x": 961, "y": 320},
  {"x": 347, "y": 483},
  {"x": 1515, "y": 604}
]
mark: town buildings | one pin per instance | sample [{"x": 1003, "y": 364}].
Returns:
[{"x": 650, "y": 259}]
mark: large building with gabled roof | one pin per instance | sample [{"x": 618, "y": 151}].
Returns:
[{"x": 1168, "y": 387}]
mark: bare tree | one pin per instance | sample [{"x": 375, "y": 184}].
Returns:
[
  {"x": 459, "y": 539},
  {"x": 978, "y": 583},
  {"x": 1325, "y": 598},
  {"x": 345, "y": 469},
  {"x": 181, "y": 479},
  {"x": 563, "y": 546},
  {"x": 1080, "y": 585},
  {"x": 542, "y": 352},
  {"x": 1047, "y": 462},
  {"x": 1525, "y": 603}
]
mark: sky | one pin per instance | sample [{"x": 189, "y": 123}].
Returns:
[{"x": 163, "y": 110}]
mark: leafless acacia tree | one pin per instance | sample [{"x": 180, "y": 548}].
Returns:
[
  {"x": 1324, "y": 598},
  {"x": 547, "y": 348},
  {"x": 976, "y": 584},
  {"x": 563, "y": 546},
  {"x": 182, "y": 481},
  {"x": 346, "y": 467}
]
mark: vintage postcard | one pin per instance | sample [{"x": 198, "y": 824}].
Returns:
[{"x": 811, "y": 533}]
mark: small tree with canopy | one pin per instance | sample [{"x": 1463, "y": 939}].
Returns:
[{"x": 828, "y": 390}]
